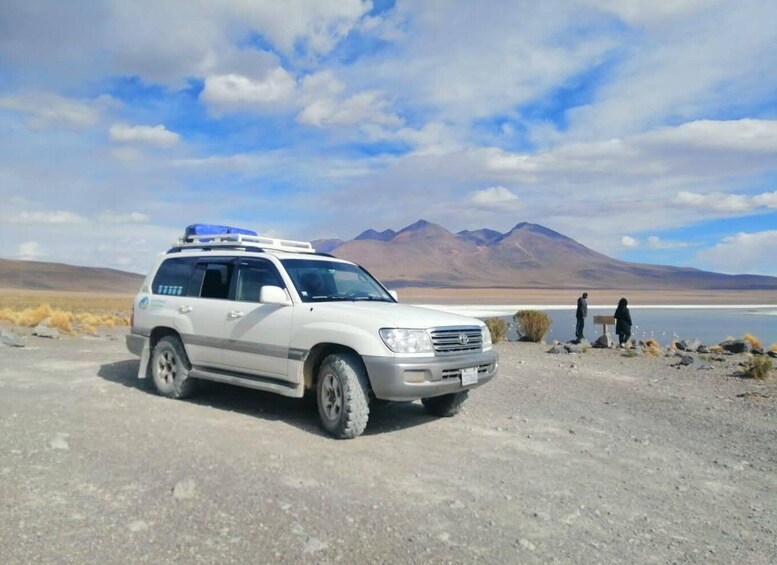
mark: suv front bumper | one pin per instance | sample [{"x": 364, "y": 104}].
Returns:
[{"x": 399, "y": 379}]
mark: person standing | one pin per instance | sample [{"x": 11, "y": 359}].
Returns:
[
  {"x": 582, "y": 312},
  {"x": 623, "y": 322}
]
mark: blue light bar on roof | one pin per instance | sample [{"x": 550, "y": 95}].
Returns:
[{"x": 212, "y": 229}]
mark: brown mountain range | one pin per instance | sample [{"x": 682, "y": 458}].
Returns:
[
  {"x": 427, "y": 255},
  {"x": 528, "y": 256},
  {"x": 37, "y": 275}
]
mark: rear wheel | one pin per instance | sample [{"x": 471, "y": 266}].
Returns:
[
  {"x": 446, "y": 405},
  {"x": 342, "y": 395},
  {"x": 170, "y": 368}
]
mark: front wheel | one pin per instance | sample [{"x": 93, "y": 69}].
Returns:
[
  {"x": 342, "y": 395},
  {"x": 446, "y": 405}
]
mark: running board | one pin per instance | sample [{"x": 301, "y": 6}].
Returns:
[{"x": 256, "y": 382}]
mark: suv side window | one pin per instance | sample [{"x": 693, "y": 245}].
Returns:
[
  {"x": 252, "y": 275},
  {"x": 173, "y": 276},
  {"x": 212, "y": 278}
]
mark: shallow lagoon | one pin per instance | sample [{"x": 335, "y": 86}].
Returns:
[{"x": 707, "y": 323}]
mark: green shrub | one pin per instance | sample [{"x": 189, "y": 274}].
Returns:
[
  {"x": 498, "y": 329},
  {"x": 758, "y": 367},
  {"x": 532, "y": 324}
]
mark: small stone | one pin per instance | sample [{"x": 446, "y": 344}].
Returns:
[
  {"x": 314, "y": 545},
  {"x": 138, "y": 526},
  {"x": 185, "y": 489},
  {"x": 456, "y": 504},
  {"x": 42, "y": 330},
  {"x": 527, "y": 545},
  {"x": 604, "y": 341},
  {"x": 11, "y": 339},
  {"x": 58, "y": 442}
]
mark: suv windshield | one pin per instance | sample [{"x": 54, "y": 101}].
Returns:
[{"x": 321, "y": 281}]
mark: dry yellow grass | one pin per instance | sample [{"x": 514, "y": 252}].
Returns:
[
  {"x": 68, "y": 312},
  {"x": 752, "y": 340},
  {"x": 716, "y": 349},
  {"x": 773, "y": 347},
  {"x": 652, "y": 347}
]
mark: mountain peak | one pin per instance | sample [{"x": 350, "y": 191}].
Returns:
[
  {"x": 419, "y": 225},
  {"x": 537, "y": 229},
  {"x": 371, "y": 234}
]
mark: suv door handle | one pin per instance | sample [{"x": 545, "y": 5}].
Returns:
[
  {"x": 235, "y": 314},
  {"x": 185, "y": 309}
]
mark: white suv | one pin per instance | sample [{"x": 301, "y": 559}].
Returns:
[{"x": 275, "y": 315}]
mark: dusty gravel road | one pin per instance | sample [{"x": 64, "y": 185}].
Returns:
[{"x": 594, "y": 458}]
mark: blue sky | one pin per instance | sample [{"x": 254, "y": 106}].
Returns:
[{"x": 645, "y": 130}]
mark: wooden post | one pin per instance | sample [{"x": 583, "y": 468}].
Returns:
[{"x": 604, "y": 320}]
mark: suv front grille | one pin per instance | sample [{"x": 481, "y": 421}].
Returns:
[{"x": 448, "y": 341}]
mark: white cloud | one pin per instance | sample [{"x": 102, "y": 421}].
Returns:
[
  {"x": 56, "y": 217},
  {"x": 766, "y": 199},
  {"x": 237, "y": 92},
  {"x": 158, "y": 135},
  {"x": 655, "y": 242},
  {"x": 361, "y": 108},
  {"x": 722, "y": 202},
  {"x": 629, "y": 242},
  {"x": 30, "y": 251},
  {"x": 46, "y": 109},
  {"x": 744, "y": 253},
  {"x": 496, "y": 197},
  {"x": 111, "y": 217}
]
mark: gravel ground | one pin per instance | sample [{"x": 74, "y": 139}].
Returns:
[{"x": 590, "y": 458}]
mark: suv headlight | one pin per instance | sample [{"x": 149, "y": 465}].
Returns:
[
  {"x": 487, "y": 344},
  {"x": 401, "y": 340}
]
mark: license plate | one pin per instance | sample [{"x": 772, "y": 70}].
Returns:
[{"x": 469, "y": 376}]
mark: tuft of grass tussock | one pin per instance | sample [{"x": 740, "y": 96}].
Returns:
[
  {"x": 752, "y": 340},
  {"x": 652, "y": 347},
  {"x": 64, "y": 320},
  {"x": 533, "y": 324},
  {"x": 498, "y": 329},
  {"x": 757, "y": 367},
  {"x": 716, "y": 349},
  {"x": 773, "y": 347}
]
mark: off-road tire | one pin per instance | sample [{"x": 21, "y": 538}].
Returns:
[
  {"x": 446, "y": 405},
  {"x": 170, "y": 368},
  {"x": 342, "y": 395}
]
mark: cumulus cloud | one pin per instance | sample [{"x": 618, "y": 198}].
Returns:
[
  {"x": 30, "y": 251},
  {"x": 237, "y": 92},
  {"x": 47, "y": 109},
  {"x": 744, "y": 253},
  {"x": 158, "y": 135},
  {"x": 722, "y": 202},
  {"x": 111, "y": 217},
  {"x": 496, "y": 197},
  {"x": 55, "y": 217},
  {"x": 655, "y": 242},
  {"x": 629, "y": 242}
]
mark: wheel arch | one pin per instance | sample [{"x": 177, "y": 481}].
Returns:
[
  {"x": 162, "y": 331},
  {"x": 316, "y": 356}
]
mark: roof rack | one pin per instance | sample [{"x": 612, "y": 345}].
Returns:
[{"x": 233, "y": 240}]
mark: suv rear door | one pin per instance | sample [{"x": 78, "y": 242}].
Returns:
[
  {"x": 257, "y": 336},
  {"x": 201, "y": 315}
]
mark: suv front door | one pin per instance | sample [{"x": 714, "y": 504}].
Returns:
[{"x": 257, "y": 336}]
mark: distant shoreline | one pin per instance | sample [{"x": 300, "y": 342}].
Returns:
[{"x": 554, "y": 297}]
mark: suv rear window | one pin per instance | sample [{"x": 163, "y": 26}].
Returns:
[{"x": 173, "y": 276}]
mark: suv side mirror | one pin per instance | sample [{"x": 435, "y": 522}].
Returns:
[
  {"x": 394, "y": 295},
  {"x": 274, "y": 295}
]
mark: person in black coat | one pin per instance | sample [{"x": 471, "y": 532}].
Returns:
[
  {"x": 623, "y": 321},
  {"x": 582, "y": 312}
]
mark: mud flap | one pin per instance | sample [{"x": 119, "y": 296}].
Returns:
[{"x": 143, "y": 368}]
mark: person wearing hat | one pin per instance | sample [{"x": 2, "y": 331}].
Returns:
[{"x": 582, "y": 312}]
